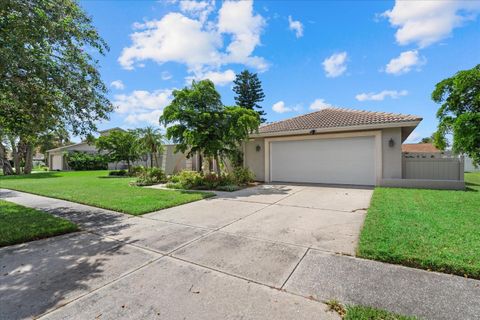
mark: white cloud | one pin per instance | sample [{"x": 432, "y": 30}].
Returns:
[
  {"x": 405, "y": 62},
  {"x": 199, "y": 42},
  {"x": 380, "y": 96},
  {"x": 335, "y": 65},
  {"x": 117, "y": 84},
  {"x": 142, "y": 105},
  {"x": 218, "y": 78},
  {"x": 199, "y": 9},
  {"x": 280, "y": 107},
  {"x": 166, "y": 75},
  {"x": 319, "y": 104},
  {"x": 173, "y": 38},
  {"x": 296, "y": 26},
  {"x": 237, "y": 19},
  {"x": 427, "y": 22},
  {"x": 149, "y": 117}
]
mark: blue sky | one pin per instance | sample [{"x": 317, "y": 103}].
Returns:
[{"x": 370, "y": 55}]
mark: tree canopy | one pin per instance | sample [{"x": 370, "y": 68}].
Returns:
[
  {"x": 120, "y": 145},
  {"x": 48, "y": 75},
  {"x": 151, "y": 142},
  {"x": 197, "y": 121},
  {"x": 249, "y": 92},
  {"x": 459, "y": 113}
]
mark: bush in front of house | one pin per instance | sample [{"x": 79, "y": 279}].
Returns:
[
  {"x": 118, "y": 173},
  {"x": 211, "y": 181},
  {"x": 86, "y": 161},
  {"x": 150, "y": 176}
]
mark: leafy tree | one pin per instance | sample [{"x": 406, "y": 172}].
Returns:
[
  {"x": 198, "y": 122},
  {"x": 52, "y": 139},
  {"x": 459, "y": 113},
  {"x": 120, "y": 145},
  {"x": 48, "y": 76},
  {"x": 249, "y": 92},
  {"x": 151, "y": 141}
]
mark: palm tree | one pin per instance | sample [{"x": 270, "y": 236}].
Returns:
[{"x": 151, "y": 140}]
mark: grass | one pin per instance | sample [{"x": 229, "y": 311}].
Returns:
[
  {"x": 95, "y": 189},
  {"x": 356, "y": 312},
  {"x": 367, "y": 313},
  {"x": 428, "y": 229},
  {"x": 19, "y": 224}
]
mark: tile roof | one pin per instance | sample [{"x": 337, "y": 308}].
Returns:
[
  {"x": 333, "y": 118},
  {"x": 419, "y": 148}
]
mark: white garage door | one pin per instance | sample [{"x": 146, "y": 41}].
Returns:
[{"x": 337, "y": 161}]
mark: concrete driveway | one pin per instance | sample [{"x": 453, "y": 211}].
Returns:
[{"x": 269, "y": 252}]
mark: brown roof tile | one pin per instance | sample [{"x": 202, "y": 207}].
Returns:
[
  {"x": 419, "y": 148},
  {"x": 335, "y": 117}
]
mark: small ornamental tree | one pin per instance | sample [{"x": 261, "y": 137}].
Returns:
[
  {"x": 120, "y": 145},
  {"x": 249, "y": 92},
  {"x": 198, "y": 122},
  {"x": 151, "y": 141},
  {"x": 459, "y": 113}
]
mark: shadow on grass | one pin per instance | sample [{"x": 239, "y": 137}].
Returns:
[
  {"x": 39, "y": 276},
  {"x": 39, "y": 175}
]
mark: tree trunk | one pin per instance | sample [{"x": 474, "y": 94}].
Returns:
[
  {"x": 151, "y": 160},
  {"x": 6, "y": 167},
  {"x": 128, "y": 165},
  {"x": 217, "y": 165},
  {"x": 28, "y": 158},
  {"x": 15, "y": 156}
]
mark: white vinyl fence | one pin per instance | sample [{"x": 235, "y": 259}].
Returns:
[{"x": 433, "y": 168}]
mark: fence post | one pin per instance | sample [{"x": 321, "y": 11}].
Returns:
[{"x": 461, "y": 168}]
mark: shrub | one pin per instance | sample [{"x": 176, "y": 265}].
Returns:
[
  {"x": 86, "y": 161},
  {"x": 150, "y": 176},
  {"x": 243, "y": 176},
  {"x": 118, "y": 173},
  {"x": 136, "y": 171},
  {"x": 189, "y": 179}
]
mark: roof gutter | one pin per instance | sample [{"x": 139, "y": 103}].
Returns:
[{"x": 337, "y": 129}]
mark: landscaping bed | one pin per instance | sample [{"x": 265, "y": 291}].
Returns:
[
  {"x": 91, "y": 188},
  {"x": 19, "y": 224},
  {"x": 428, "y": 229}
]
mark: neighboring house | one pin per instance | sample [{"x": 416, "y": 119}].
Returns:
[
  {"x": 420, "y": 148},
  {"x": 337, "y": 146},
  {"x": 170, "y": 161}
]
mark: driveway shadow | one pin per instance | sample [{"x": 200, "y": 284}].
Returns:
[{"x": 37, "y": 276}]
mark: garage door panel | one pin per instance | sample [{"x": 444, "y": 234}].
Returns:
[{"x": 342, "y": 161}]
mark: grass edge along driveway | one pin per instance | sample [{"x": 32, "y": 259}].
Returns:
[
  {"x": 428, "y": 229},
  {"x": 20, "y": 224},
  {"x": 96, "y": 189}
]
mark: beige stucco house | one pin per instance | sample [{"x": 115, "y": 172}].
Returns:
[{"x": 337, "y": 146}]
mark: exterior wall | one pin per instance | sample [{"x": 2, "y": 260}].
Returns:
[
  {"x": 392, "y": 156},
  {"x": 253, "y": 159}
]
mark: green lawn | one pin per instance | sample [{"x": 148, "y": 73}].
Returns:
[
  {"x": 367, "y": 313},
  {"x": 429, "y": 229},
  {"x": 20, "y": 224},
  {"x": 97, "y": 189}
]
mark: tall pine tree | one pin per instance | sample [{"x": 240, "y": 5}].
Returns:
[{"x": 249, "y": 92}]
